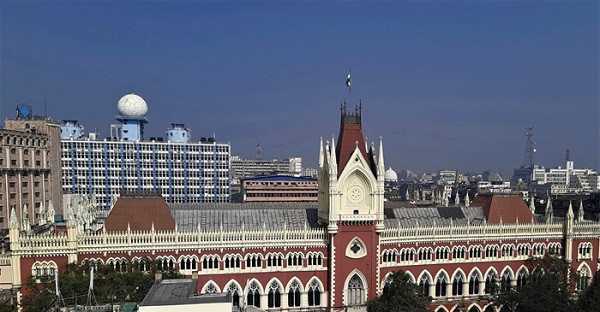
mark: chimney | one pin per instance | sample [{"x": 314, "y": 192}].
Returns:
[{"x": 158, "y": 276}]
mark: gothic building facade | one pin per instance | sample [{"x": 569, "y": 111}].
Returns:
[{"x": 332, "y": 255}]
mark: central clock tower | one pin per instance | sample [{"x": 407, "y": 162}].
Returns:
[{"x": 351, "y": 190}]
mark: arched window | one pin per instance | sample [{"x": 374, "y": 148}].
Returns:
[
  {"x": 253, "y": 296},
  {"x": 440, "y": 286},
  {"x": 274, "y": 296},
  {"x": 355, "y": 291},
  {"x": 582, "y": 278},
  {"x": 521, "y": 279},
  {"x": 235, "y": 294},
  {"x": 505, "y": 282},
  {"x": 491, "y": 283},
  {"x": 457, "y": 285},
  {"x": 314, "y": 294},
  {"x": 474, "y": 284},
  {"x": 424, "y": 285},
  {"x": 294, "y": 295},
  {"x": 211, "y": 289}
]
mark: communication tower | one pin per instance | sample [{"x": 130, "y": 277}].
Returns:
[{"x": 529, "y": 148}]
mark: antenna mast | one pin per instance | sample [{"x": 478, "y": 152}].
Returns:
[
  {"x": 529, "y": 149},
  {"x": 258, "y": 152}
]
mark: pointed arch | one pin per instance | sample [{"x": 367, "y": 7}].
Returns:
[
  {"x": 474, "y": 270},
  {"x": 474, "y": 306},
  {"x": 314, "y": 279},
  {"x": 427, "y": 274},
  {"x": 459, "y": 271},
  {"x": 260, "y": 286},
  {"x": 356, "y": 288},
  {"x": 294, "y": 278},
  {"x": 510, "y": 270},
  {"x": 275, "y": 280},
  {"x": 314, "y": 290},
  {"x": 359, "y": 168},
  {"x": 411, "y": 277},
  {"x": 210, "y": 287},
  {"x": 441, "y": 309},
  {"x": 235, "y": 290},
  {"x": 493, "y": 270},
  {"x": 442, "y": 271}
]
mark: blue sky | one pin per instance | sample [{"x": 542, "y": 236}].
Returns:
[{"x": 447, "y": 84}]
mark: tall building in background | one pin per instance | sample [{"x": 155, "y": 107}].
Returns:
[
  {"x": 184, "y": 171},
  {"x": 29, "y": 167}
]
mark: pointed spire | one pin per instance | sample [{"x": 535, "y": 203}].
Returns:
[
  {"x": 457, "y": 199},
  {"x": 580, "y": 213},
  {"x": 532, "y": 204},
  {"x": 467, "y": 199},
  {"x": 570, "y": 214},
  {"x": 14, "y": 220},
  {"x": 380, "y": 164},
  {"x": 42, "y": 212},
  {"x": 549, "y": 213},
  {"x": 321, "y": 157},
  {"x": 50, "y": 212}
]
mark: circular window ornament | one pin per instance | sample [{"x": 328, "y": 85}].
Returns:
[{"x": 355, "y": 194}]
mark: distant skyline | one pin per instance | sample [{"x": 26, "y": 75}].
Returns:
[{"x": 448, "y": 85}]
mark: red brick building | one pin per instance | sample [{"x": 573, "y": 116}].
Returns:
[{"x": 332, "y": 255}]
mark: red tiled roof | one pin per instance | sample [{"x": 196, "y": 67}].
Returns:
[
  {"x": 140, "y": 213},
  {"x": 349, "y": 135},
  {"x": 507, "y": 207}
]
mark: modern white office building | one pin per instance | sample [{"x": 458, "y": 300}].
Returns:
[{"x": 184, "y": 171}]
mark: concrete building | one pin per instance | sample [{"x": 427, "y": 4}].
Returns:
[
  {"x": 183, "y": 170},
  {"x": 279, "y": 189},
  {"x": 29, "y": 167}
]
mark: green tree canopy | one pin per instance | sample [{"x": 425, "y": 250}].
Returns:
[
  {"x": 547, "y": 288},
  {"x": 400, "y": 295},
  {"x": 589, "y": 300}
]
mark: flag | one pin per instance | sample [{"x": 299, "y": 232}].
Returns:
[
  {"x": 92, "y": 278},
  {"x": 56, "y": 289},
  {"x": 348, "y": 81}
]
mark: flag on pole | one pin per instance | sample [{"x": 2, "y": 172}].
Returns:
[
  {"x": 56, "y": 289},
  {"x": 349, "y": 80},
  {"x": 91, "y": 278}
]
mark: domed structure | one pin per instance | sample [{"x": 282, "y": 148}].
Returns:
[
  {"x": 132, "y": 106},
  {"x": 390, "y": 175}
]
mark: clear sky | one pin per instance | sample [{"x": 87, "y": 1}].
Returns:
[{"x": 447, "y": 84}]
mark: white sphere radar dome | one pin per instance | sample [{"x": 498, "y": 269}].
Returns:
[{"x": 132, "y": 106}]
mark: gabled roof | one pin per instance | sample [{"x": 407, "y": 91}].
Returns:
[
  {"x": 140, "y": 211},
  {"x": 503, "y": 207}
]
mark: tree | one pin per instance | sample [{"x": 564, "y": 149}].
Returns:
[
  {"x": 400, "y": 295},
  {"x": 110, "y": 285},
  {"x": 590, "y": 299},
  {"x": 547, "y": 288}
]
